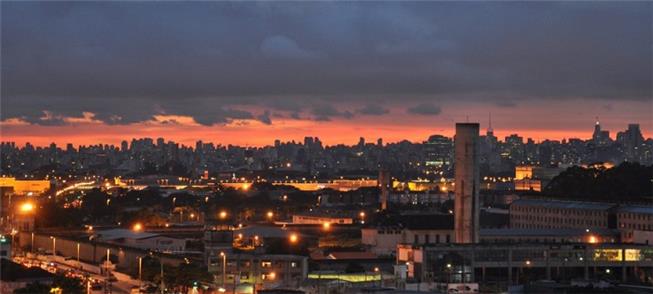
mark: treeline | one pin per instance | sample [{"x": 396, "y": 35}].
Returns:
[{"x": 627, "y": 182}]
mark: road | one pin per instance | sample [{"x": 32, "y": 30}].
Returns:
[{"x": 119, "y": 286}]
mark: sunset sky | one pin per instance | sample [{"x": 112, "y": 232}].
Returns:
[{"x": 250, "y": 72}]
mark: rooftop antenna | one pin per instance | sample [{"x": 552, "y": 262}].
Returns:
[{"x": 490, "y": 124}]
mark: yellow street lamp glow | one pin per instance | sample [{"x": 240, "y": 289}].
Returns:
[
  {"x": 593, "y": 239},
  {"x": 223, "y": 214},
  {"x": 270, "y": 214},
  {"x": 362, "y": 214},
  {"x": 326, "y": 226},
  {"x": 294, "y": 238},
  {"x": 26, "y": 207},
  {"x": 137, "y": 227}
]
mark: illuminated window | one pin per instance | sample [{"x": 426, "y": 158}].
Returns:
[{"x": 266, "y": 264}]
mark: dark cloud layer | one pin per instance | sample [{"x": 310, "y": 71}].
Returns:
[
  {"x": 127, "y": 61},
  {"x": 425, "y": 109}
]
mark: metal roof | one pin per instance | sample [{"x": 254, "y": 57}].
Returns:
[
  {"x": 564, "y": 204},
  {"x": 115, "y": 234},
  {"x": 636, "y": 209}
]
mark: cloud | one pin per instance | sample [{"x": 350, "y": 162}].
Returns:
[
  {"x": 223, "y": 61},
  {"x": 284, "y": 47},
  {"x": 425, "y": 109},
  {"x": 324, "y": 112},
  {"x": 372, "y": 109},
  {"x": 265, "y": 117}
]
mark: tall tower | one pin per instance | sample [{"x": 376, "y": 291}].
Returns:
[
  {"x": 466, "y": 206},
  {"x": 384, "y": 185}
]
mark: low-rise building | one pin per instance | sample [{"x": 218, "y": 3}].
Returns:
[
  {"x": 383, "y": 237},
  {"x": 263, "y": 271},
  {"x": 143, "y": 240},
  {"x": 554, "y": 214}
]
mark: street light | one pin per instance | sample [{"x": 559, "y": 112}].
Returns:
[
  {"x": 140, "y": 271},
  {"x": 378, "y": 271},
  {"x": 54, "y": 246},
  {"x": 270, "y": 215},
  {"x": 26, "y": 207},
  {"x": 224, "y": 267},
  {"x": 326, "y": 226},
  {"x": 137, "y": 227},
  {"x": 223, "y": 214},
  {"x": 293, "y": 238}
]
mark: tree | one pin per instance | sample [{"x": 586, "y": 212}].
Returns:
[{"x": 627, "y": 182}]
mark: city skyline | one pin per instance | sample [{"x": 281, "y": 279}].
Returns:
[{"x": 351, "y": 140}]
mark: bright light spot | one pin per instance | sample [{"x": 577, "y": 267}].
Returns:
[
  {"x": 528, "y": 262},
  {"x": 593, "y": 239},
  {"x": 293, "y": 238},
  {"x": 137, "y": 227},
  {"x": 326, "y": 226},
  {"x": 26, "y": 207},
  {"x": 270, "y": 214},
  {"x": 223, "y": 214}
]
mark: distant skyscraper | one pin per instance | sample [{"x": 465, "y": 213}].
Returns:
[
  {"x": 466, "y": 206},
  {"x": 600, "y": 137}
]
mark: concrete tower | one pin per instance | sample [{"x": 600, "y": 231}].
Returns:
[
  {"x": 466, "y": 206},
  {"x": 385, "y": 184}
]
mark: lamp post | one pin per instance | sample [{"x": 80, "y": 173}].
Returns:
[
  {"x": 54, "y": 246},
  {"x": 140, "y": 271},
  {"x": 378, "y": 272},
  {"x": 224, "y": 267},
  {"x": 32, "y": 247}
]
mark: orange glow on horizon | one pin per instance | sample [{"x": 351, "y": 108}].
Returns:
[{"x": 536, "y": 121}]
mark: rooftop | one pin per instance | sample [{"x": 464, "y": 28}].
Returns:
[
  {"x": 430, "y": 221},
  {"x": 643, "y": 209},
  {"x": 564, "y": 204},
  {"x": 543, "y": 232},
  {"x": 114, "y": 234}
]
